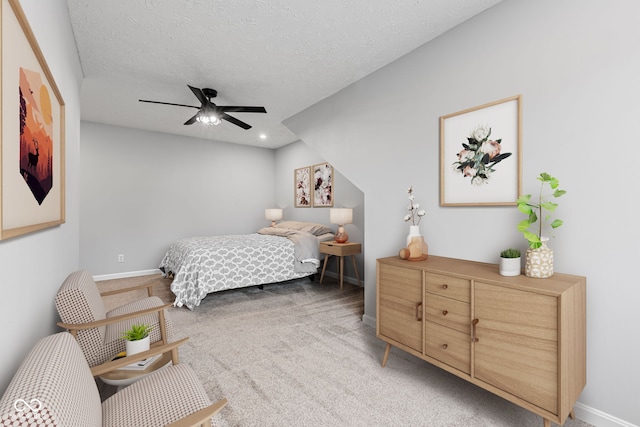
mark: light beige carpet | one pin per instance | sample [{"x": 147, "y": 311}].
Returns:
[{"x": 298, "y": 354}]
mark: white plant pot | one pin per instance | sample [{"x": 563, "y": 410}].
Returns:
[
  {"x": 134, "y": 347},
  {"x": 510, "y": 266}
]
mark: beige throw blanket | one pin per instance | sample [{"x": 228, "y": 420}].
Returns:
[{"x": 306, "y": 247}]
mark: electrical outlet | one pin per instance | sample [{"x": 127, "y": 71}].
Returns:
[{"x": 120, "y": 257}]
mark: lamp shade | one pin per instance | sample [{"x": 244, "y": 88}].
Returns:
[
  {"x": 273, "y": 214},
  {"x": 341, "y": 216}
]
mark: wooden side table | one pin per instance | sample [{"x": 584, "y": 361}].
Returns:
[
  {"x": 340, "y": 250},
  {"x": 125, "y": 377}
]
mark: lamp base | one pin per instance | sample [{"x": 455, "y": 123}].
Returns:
[{"x": 341, "y": 235}]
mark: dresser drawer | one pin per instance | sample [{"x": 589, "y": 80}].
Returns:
[
  {"x": 448, "y": 286},
  {"x": 448, "y": 312},
  {"x": 448, "y": 346}
]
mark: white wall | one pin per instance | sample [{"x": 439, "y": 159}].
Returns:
[
  {"x": 346, "y": 195},
  {"x": 576, "y": 65},
  {"x": 142, "y": 190},
  {"x": 33, "y": 266}
]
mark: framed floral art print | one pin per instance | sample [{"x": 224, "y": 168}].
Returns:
[
  {"x": 481, "y": 155},
  {"x": 302, "y": 187},
  {"x": 323, "y": 185},
  {"x": 32, "y": 176}
]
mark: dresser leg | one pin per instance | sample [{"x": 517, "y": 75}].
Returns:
[
  {"x": 572, "y": 414},
  {"x": 386, "y": 355},
  {"x": 547, "y": 423}
]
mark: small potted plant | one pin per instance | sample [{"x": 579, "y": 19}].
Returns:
[
  {"x": 539, "y": 258},
  {"x": 137, "y": 339},
  {"x": 510, "y": 262}
]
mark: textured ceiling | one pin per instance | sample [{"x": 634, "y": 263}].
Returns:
[{"x": 284, "y": 55}]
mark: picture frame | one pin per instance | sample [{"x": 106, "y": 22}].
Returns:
[
  {"x": 323, "y": 185},
  {"x": 32, "y": 140},
  {"x": 481, "y": 155},
  {"x": 302, "y": 193}
]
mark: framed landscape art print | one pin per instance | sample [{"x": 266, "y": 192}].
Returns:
[
  {"x": 481, "y": 155},
  {"x": 32, "y": 192}
]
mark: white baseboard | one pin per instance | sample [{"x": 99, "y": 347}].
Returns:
[
  {"x": 598, "y": 418},
  {"x": 126, "y": 274}
]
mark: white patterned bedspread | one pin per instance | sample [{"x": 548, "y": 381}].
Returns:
[{"x": 201, "y": 265}]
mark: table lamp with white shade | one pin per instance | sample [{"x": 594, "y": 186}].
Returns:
[
  {"x": 341, "y": 216},
  {"x": 273, "y": 214}
]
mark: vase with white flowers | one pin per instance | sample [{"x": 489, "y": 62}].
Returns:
[{"x": 417, "y": 247}]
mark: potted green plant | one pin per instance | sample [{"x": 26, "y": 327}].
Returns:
[
  {"x": 539, "y": 258},
  {"x": 510, "y": 264},
  {"x": 137, "y": 339}
]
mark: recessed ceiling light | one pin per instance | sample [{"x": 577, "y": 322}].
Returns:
[{"x": 263, "y": 136}]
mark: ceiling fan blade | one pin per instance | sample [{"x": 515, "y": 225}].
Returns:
[
  {"x": 237, "y": 109},
  {"x": 167, "y": 103},
  {"x": 193, "y": 119},
  {"x": 198, "y": 93},
  {"x": 235, "y": 121}
]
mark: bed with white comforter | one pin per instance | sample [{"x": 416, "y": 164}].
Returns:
[{"x": 202, "y": 265}]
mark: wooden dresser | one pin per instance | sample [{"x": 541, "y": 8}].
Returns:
[{"x": 520, "y": 338}]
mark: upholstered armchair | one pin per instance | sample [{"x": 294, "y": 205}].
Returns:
[
  {"x": 54, "y": 386},
  {"x": 82, "y": 312}
]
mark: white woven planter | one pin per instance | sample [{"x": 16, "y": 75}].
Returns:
[{"x": 539, "y": 263}]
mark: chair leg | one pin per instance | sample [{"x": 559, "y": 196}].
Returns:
[
  {"x": 163, "y": 327},
  {"x": 174, "y": 356}
]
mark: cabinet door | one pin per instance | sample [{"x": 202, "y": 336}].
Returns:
[
  {"x": 400, "y": 309},
  {"x": 517, "y": 343}
]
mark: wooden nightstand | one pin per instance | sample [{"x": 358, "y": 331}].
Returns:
[{"x": 340, "y": 250}]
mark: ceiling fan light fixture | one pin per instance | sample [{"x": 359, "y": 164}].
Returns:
[
  {"x": 211, "y": 119},
  {"x": 211, "y": 114}
]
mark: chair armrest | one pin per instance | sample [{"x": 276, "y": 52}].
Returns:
[
  {"x": 147, "y": 286},
  {"x": 110, "y": 320},
  {"x": 119, "y": 363},
  {"x": 200, "y": 417}
]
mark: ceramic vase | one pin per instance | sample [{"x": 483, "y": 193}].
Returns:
[
  {"x": 414, "y": 231},
  {"x": 133, "y": 347},
  {"x": 539, "y": 262},
  {"x": 417, "y": 248},
  {"x": 510, "y": 266}
]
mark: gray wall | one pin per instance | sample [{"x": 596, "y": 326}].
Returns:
[
  {"x": 34, "y": 265},
  {"x": 576, "y": 64},
  {"x": 577, "y": 67},
  {"x": 142, "y": 190},
  {"x": 347, "y": 195}
]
